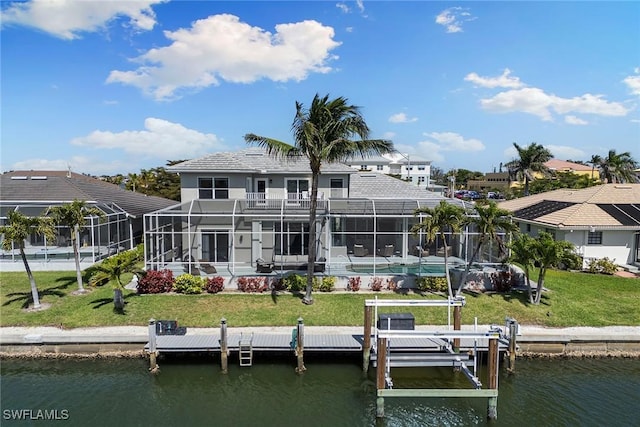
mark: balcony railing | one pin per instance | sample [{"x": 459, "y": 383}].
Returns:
[{"x": 290, "y": 200}]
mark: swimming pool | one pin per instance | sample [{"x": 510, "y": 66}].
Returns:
[{"x": 422, "y": 269}]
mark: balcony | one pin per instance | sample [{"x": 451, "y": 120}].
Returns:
[{"x": 287, "y": 200}]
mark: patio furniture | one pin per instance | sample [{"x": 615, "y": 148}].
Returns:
[
  {"x": 421, "y": 252},
  {"x": 207, "y": 268},
  {"x": 387, "y": 251},
  {"x": 440, "y": 251},
  {"x": 360, "y": 250},
  {"x": 263, "y": 266}
]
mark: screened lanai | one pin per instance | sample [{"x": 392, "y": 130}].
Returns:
[
  {"x": 353, "y": 237},
  {"x": 99, "y": 238}
]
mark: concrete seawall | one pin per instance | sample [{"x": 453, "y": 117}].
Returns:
[{"x": 129, "y": 341}]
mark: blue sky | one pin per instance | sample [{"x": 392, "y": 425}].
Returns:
[{"x": 109, "y": 87}]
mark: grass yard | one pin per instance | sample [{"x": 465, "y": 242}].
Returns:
[{"x": 574, "y": 299}]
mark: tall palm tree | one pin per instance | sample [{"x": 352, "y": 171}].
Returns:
[
  {"x": 17, "y": 230},
  {"x": 595, "y": 163},
  {"x": 522, "y": 249},
  {"x": 530, "y": 159},
  {"x": 618, "y": 167},
  {"x": 73, "y": 215},
  {"x": 489, "y": 222},
  {"x": 331, "y": 130},
  {"x": 444, "y": 217}
]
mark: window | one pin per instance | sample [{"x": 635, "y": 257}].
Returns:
[
  {"x": 337, "y": 185},
  {"x": 379, "y": 167},
  {"x": 364, "y": 167},
  {"x": 594, "y": 238},
  {"x": 421, "y": 168},
  {"x": 528, "y": 228},
  {"x": 215, "y": 245},
  {"x": 213, "y": 188},
  {"x": 292, "y": 238},
  {"x": 421, "y": 179}
]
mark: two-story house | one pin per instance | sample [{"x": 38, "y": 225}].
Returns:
[
  {"x": 412, "y": 169},
  {"x": 242, "y": 209}
]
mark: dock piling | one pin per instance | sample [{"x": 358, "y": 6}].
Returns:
[
  {"x": 366, "y": 346},
  {"x": 224, "y": 348},
  {"x": 381, "y": 371},
  {"x": 300, "y": 347},
  {"x": 457, "y": 323},
  {"x": 153, "y": 364},
  {"x": 513, "y": 330},
  {"x": 493, "y": 365}
]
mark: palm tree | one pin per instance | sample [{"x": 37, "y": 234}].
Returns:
[
  {"x": 530, "y": 159},
  {"x": 111, "y": 270},
  {"x": 548, "y": 252},
  {"x": 595, "y": 163},
  {"x": 73, "y": 215},
  {"x": 617, "y": 167},
  {"x": 522, "y": 249},
  {"x": 324, "y": 133},
  {"x": 489, "y": 222},
  {"x": 17, "y": 230},
  {"x": 444, "y": 217}
]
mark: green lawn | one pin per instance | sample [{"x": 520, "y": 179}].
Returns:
[{"x": 574, "y": 299}]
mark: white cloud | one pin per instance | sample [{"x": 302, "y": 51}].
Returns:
[
  {"x": 221, "y": 47},
  {"x": 633, "y": 82},
  {"x": 66, "y": 19},
  {"x": 565, "y": 152},
  {"x": 161, "y": 139},
  {"x": 451, "y": 141},
  {"x": 360, "y": 5},
  {"x": 535, "y": 101},
  {"x": 388, "y": 135},
  {"x": 402, "y": 118},
  {"x": 504, "y": 80},
  {"x": 430, "y": 150},
  {"x": 453, "y": 18},
  {"x": 349, "y": 29},
  {"x": 343, "y": 7},
  {"x": 573, "y": 120},
  {"x": 78, "y": 164}
]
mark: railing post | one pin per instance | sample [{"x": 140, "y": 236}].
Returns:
[
  {"x": 153, "y": 365},
  {"x": 457, "y": 324},
  {"x": 366, "y": 346},
  {"x": 300, "y": 347},
  {"x": 224, "y": 348},
  {"x": 381, "y": 371}
]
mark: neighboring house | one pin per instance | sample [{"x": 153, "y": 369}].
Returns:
[
  {"x": 32, "y": 193},
  {"x": 412, "y": 169},
  {"x": 601, "y": 221},
  {"x": 242, "y": 210},
  {"x": 556, "y": 165}
]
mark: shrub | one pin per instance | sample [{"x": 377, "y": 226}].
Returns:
[
  {"x": 278, "y": 285},
  {"x": 391, "y": 284},
  {"x": 354, "y": 284},
  {"x": 502, "y": 281},
  {"x": 214, "y": 285},
  {"x": 376, "y": 284},
  {"x": 189, "y": 284},
  {"x": 324, "y": 284},
  {"x": 253, "y": 284},
  {"x": 155, "y": 282},
  {"x": 433, "y": 284},
  {"x": 295, "y": 282},
  {"x": 602, "y": 266}
]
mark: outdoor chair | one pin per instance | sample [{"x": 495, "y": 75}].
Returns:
[
  {"x": 360, "y": 250},
  {"x": 207, "y": 268},
  {"x": 387, "y": 251},
  {"x": 263, "y": 266}
]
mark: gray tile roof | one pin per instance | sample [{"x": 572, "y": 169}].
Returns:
[
  {"x": 254, "y": 159},
  {"x": 371, "y": 185},
  {"x": 61, "y": 187}
]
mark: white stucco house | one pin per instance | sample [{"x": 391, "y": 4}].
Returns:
[{"x": 601, "y": 221}]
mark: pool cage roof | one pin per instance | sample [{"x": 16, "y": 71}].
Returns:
[
  {"x": 40, "y": 209},
  {"x": 349, "y": 207}
]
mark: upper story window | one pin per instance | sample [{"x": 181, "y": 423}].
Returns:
[
  {"x": 213, "y": 188},
  {"x": 379, "y": 167},
  {"x": 594, "y": 238},
  {"x": 364, "y": 167},
  {"x": 421, "y": 168}
]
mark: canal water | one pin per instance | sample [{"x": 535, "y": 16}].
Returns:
[{"x": 118, "y": 392}]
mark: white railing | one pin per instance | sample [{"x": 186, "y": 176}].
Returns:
[{"x": 273, "y": 201}]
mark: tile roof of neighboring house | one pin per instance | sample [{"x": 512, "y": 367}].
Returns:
[
  {"x": 63, "y": 187},
  {"x": 254, "y": 159},
  {"x": 370, "y": 185},
  {"x": 563, "y": 165},
  {"x": 607, "y": 205}
]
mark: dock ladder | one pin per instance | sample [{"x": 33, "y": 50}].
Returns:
[{"x": 245, "y": 347}]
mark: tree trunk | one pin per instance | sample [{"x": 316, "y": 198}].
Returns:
[
  {"x": 468, "y": 267},
  {"x": 76, "y": 255},
  {"x": 308, "y": 298},
  {"x": 529, "y": 290},
  {"x": 32, "y": 280},
  {"x": 446, "y": 266},
  {"x": 543, "y": 271},
  {"x": 118, "y": 299}
]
